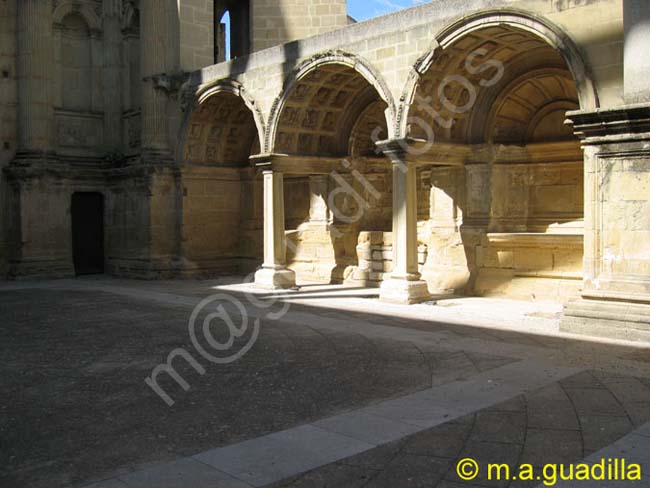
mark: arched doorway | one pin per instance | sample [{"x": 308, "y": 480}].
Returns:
[
  {"x": 503, "y": 175},
  {"x": 335, "y": 184}
]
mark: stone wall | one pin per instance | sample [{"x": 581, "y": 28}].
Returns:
[
  {"x": 503, "y": 229},
  {"x": 275, "y": 22},
  {"x": 375, "y": 259},
  {"x": 8, "y": 113},
  {"x": 196, "y": 34},
  {"x": 326, "y": 215},
  {"x": 211, "y": 235}
]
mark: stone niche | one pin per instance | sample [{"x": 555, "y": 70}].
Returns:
[
  {"x": 533, "y": 248},
  {"x": 510, "y": 229},
  {"x": 530, "y": 266},
  {"x": 328, "y": 215}
]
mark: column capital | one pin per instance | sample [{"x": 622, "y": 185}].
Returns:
[
  {"x": 267, "y": 161},
  {"x": 398, "y": 149}
]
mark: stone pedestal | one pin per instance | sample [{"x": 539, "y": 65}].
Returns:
[
  {"x": 404, "y": 284},
  {"x": 615, "y": 298},
  {"x": 404, "y": 290},
  {"x": 274, "y": 273},
  {"x": 280, "y": 278}
]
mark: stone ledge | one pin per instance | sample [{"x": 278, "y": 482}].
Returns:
[
  {"x": 615, "y": 320},
  {"x": 534, "y": 239}
]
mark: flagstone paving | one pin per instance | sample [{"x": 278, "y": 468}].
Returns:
[{"x": 563, "y": 422}]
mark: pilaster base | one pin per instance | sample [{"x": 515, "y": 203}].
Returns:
[
  {"x": 396, "y": 290},
  {"x": 41, "y": 268},
  {"x": 615, "y": 320},
  {"x": 275, "y": 279}
]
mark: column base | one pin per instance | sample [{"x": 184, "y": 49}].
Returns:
[
  {"x": 275, "y": 279},
  {"x": 614, "y": 320},
  {"x": 395, "y": 290}
]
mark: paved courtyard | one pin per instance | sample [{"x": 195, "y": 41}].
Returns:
[{"x": 330, "y": 388}]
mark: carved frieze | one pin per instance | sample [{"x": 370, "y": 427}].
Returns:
[{"x": 560, "y": 5}]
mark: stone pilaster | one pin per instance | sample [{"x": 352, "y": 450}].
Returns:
[
  {"x": 40, "y": 242},
  {"x": 159, "y": 56},
  {"x": 404, "y": 284},
  {"x": 112, "y": 82},
  {"x": 34, "y": 69},
  {"x": 615, "y": 299},
  {"x": 274, "y": 274}
]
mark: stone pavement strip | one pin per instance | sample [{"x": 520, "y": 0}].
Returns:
[{"x": 272, "y": 458}]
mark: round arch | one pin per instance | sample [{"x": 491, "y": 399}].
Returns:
[
  {"x": 199, "y": 102},
  {"x": 522, "y": 20},
  {"x": 332, "y": 58},
  {"x": 70, "y": 7},
  {"x": 556, "y": 94}
]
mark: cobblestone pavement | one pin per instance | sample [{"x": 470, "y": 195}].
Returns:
[{"x": 75, "y": 354}]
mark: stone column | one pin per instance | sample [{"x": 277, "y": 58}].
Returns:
[
  {"x": 636, "y": 18},
  {"x": 274, "y": 274},
  {"x": 404, "y": 284},
  {"x": 112, "y": 82},
  {"x": 34, "y": 69}
]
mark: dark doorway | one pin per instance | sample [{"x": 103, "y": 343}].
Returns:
[{"x": 88, "y": 233}]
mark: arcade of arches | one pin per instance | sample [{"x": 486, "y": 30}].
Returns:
[{"x": 497, "y": 177}]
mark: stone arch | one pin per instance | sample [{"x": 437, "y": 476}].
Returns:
[
  {"x": 223, "y": 126},
  {"x": 78, "y": 62},
  {"x": 517, "y": 21},
  {"x": 506, "y": 173},
  {"x": 529, "y": 108},
  {"x": 65, "y": 8},
  {"x": 335, "y": 63}
]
